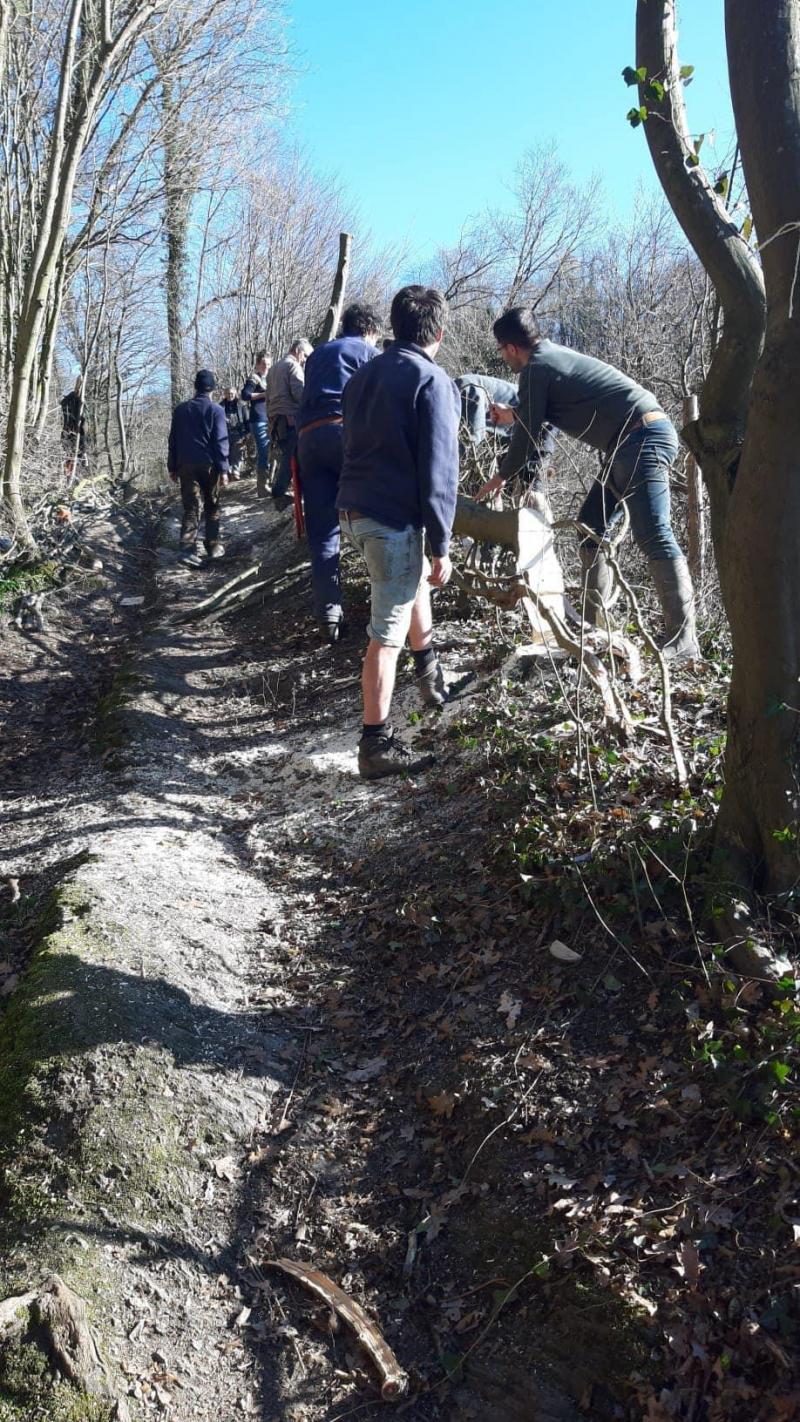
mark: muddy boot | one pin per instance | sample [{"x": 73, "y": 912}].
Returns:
[
  {"x": 598, "y": 583},
  {"x": 429, "y": 677},
  {"x": 383, "y": 754},
  {"x": 215, "y": 550},
  {"x": 673, "y": 584}
]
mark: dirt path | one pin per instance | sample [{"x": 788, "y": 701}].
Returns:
[
  {"x": 279, "y": 1013},
  {"x": 200, "y": 837}
]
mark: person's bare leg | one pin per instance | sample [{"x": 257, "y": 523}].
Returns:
[
  {"x": 421, "y": 629},
  {"x": 377, "y": 682}
]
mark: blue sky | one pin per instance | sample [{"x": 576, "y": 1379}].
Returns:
[{"x": 423, "y": 107}]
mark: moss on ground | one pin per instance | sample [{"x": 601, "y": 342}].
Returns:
[
  {"x": 110, "y": 732},
  {"x": 31, "y": 578},
  {"x": 30, "y": 1391}
]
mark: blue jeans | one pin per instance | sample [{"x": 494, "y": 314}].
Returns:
[
  {"x": 638, "y": 475},
  {"x": 284, "y": 436},
  {"x": 258, "y": 429},
  {"x": 320, "y": 459},
  {"x": 395, "y": 562},
  {"x": 476, "y": 391}
]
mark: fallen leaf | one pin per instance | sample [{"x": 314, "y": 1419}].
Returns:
[
  {"x": 511, "y": 1007},
  {"x": 225, "y": 1167},
  {"x": 443, "y": 1104},
  {"x": 563, "y": 953}
]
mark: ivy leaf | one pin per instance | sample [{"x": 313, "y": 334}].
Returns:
[
  {"x": 782, "y": 1070},
  {"x": 634, "y": 76},
  {"x": 686, "y": 72},
  {"x": 654, "y": 92},
  {"x": 636, "y": 116},
  {"x": 747, "y": 228},
  {"x": 721, "y": 185}
]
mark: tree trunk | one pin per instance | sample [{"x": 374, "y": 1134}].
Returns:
[
  {"x": 334, "y": 312},
  {"x": 177, "y": 202},
  {"x": 760, "y": 810}
]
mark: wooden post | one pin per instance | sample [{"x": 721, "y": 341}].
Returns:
[
  {"x": 334, "y": 311},
  {"x": 696, "y": 513}
]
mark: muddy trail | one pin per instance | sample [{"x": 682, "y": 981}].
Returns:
[{"x": 276, "y": 1013}]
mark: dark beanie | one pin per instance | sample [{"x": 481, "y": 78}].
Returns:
[{"x": 205, "y": 381}]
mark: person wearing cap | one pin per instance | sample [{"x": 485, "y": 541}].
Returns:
[
  {"x": 197, "y": 459},
  {"x": 637, "y": 443},
  {"x": 285, "y": 385},
  {"x": 319, "y": 453}
]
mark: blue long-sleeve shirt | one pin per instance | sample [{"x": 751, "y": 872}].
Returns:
[
  {"x": 198, "y": 435},
  {"x": 401, "y": 415},
  {"x": 327, "y": 371}
]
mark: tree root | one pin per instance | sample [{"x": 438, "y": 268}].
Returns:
[{"x": 55, "y": 1320}]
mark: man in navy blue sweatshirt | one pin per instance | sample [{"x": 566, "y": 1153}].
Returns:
[
  {"x": 319, "y": 453},
  {"x": 197, "y": 459},
  {"x": 399, "y": 483}
]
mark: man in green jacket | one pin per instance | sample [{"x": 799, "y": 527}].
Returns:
[{"x": 596, "y": 403}]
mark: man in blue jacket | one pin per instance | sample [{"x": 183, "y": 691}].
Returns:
[
  {"x": 399, "y": 483},
  {"x": 197, "y": 459},
  {"x": 319, "y": 453}
]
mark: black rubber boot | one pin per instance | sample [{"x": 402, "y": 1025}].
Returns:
[{"x": 673, "y": 583}]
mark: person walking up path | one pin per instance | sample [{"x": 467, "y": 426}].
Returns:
[
  {"x": 285, "y": 385},
  {"x": 197, "y": 459},
  {"x": 399, "y": 482},
  {"x": 319, "y": 453}
]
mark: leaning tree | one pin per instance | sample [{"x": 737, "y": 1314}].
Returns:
[{"x": 747, "y": 436}]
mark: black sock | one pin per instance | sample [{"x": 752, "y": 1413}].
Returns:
[
  {"x": 380, "y": 728},
  {"x": 423, "y": 661}
]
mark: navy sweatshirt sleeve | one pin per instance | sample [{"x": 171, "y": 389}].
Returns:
[
  {"x": 437, "y": 459},
  {"x": 172, "y": 463}
]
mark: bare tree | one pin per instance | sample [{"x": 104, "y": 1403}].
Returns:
[{"x": 746, "y": 436}]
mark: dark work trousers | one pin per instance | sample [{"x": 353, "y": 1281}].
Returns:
[
  {"x": 284, "y": 437},
  {"x": 319, "y": 454},
  {"x": 198, "y": 482}
]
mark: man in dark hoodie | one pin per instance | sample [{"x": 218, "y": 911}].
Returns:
[
  {"x": 319, "y": 453},
  {"x": 399, "y": 483},
  {"x": 198, "y": 461}
]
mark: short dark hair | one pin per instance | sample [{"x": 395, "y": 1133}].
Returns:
[
  {"x": 517, "y": 327},
  {"x": 418, "y": 314},
  {"x": 261, "y": 355},
  {"x": 360, "y": 320}
]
